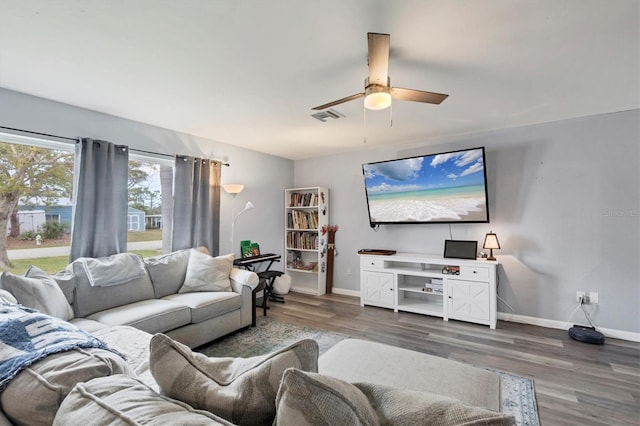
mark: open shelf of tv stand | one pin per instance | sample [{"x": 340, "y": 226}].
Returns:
[{"x": 410, "y": 282}]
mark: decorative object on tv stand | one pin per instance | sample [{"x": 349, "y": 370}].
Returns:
[{"x": 491, "y": 242}]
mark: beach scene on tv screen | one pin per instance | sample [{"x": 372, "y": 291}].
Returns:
[{"x": 446, "y": 187}]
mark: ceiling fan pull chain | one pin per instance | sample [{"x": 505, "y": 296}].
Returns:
[
  {"x": 364, "y": 124},
  {"x": 391, "y": 115}
]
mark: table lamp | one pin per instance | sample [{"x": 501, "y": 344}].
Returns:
[{"x": 491, "y": 242}]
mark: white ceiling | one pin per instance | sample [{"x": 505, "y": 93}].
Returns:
[{"x": 247, "y": 72}]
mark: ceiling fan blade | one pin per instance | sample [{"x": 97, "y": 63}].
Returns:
[
  {"x": 417, "y": 95},
  {"x": 339, "y": 101},
  {"x": 378, "y": 58}
]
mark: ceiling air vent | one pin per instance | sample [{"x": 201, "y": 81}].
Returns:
[{"x": 324, "y": 115}]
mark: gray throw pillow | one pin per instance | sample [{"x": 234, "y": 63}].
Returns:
[
  {"x": 39, "y": 291},
  {"x": 313, "y": 399},
  {"x": 206, "y": 273},
  {"x": 168, "y": 272},
  {"x": 124, "y": 400},
  {"x": 34, "y": 395},
  {"x": 240, "y": 390}
]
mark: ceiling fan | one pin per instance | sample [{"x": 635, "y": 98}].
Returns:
[{"x": 377, "y": 87}]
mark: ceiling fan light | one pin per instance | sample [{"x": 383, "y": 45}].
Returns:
[{"x": 377, "y": 100}]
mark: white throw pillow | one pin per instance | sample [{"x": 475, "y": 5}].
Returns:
[
  {"x": 206, "y": 273},
  {"x": 7, "y": 297},
  {"x": 37, "y": 290}
]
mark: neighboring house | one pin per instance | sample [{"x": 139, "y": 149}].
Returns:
[
  {"x": 33, "y": 217},
  {"x": 30, "y": 220},
  {"x": 135, "y": 220}
]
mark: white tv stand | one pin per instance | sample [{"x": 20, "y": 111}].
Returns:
[{"x": 398, "y": 282}]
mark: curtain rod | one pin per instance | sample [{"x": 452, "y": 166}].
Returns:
[{"x": 76, "y": 140}]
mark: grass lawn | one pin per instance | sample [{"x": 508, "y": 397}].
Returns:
[
  {"x": 58, "y": 263},
  {"x": 148, "y": 235}
]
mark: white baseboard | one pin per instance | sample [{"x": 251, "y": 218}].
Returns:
[
  {"x": 542, "y": 322},
  {"x": 505, "y": 316},
  {"x": 344, "y": 292}
]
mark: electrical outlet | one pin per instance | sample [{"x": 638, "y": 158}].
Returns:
[
  {"x": 593, "y": 297},
  {"x": 581, "y": 295}
]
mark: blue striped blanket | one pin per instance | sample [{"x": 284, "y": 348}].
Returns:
[{"x": 27, "y": 336}]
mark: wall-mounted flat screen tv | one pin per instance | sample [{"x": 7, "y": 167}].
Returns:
[{"x": 449, "y": 187}]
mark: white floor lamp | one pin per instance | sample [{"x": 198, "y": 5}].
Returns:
[{"x": 235, "y": 189}]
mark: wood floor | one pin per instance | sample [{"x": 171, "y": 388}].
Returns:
[{"x": 576, "y": 383}]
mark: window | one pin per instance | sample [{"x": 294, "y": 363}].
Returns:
[{"x": 47, "y": 188}]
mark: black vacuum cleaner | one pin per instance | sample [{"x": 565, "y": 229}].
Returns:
[{"x": 586, "y": 334}]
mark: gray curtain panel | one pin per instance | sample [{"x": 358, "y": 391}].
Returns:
[
  {"x": 100, "y": 198},
  {"x": 196, "y": 204}
]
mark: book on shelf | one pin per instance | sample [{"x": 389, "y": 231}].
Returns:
[
  {"x": 308, "y": 199},
  {"x": 302, "y": 220}
]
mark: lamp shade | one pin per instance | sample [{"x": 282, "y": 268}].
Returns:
[
  {"x": 491, "y": 241},
  {"x": 233, "y": 188},
  {"x": 378, "y": 100}
]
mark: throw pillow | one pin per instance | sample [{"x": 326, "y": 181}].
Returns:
[
  {"x": 241, "y": 390},
  {"x": 313, "y": 399},
  {"x": 206, "y": 273},
  {"x": 120, "y": 400},
  {"x": 39, "y": 291},
  {"x": 402, "y": 407},
  {"x": 7, "y": 297},
  {"x": 168, "y": 272},
  {"x": 66, "y": 280},
  {"x": 34, "y": 395}
]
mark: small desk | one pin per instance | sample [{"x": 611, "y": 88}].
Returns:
[{"x": 250, "y": 264}]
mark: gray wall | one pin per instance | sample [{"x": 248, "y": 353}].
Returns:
[
  {"x": 564, "y": 202},
  {"x": 265, "y": 176}
]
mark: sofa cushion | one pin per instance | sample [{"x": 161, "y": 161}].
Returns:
[
  {"x": 91, "y": 299},
  {"x": 66, "y": 280},
  {"x": 205, "y": 305},
  {"x": 313, "y": 399},
  {"x": 241, "y": 390},
  {"x": 206, "y": 273},
  {"x": 134, "y": 344},
  {"x": 152, "y": 316},
  {"x": 168, "y": 272},
  {"x": 88, "y": 325},
  {"x": 353, "y": 360},
  {"x": 39, "y": 291},
  {"x": 34, "y": 395},
  {"x": 120, "y": 400}
]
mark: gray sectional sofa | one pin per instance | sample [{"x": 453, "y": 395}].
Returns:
[
  {"x": 156, "y": 294},
  {"x": 152, "y": 311}
]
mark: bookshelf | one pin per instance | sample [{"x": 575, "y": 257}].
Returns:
[{"x": 306, "y": 212}]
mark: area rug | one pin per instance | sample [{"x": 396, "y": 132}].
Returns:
[
  {"x": 518, "y": 394},
  {"x": 267, "y": 336},
  {"x": 518, "y": 398}
]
